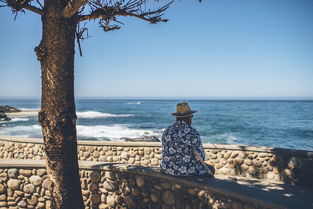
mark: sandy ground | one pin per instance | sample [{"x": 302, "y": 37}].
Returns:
[{"x": 22, "y": 113}]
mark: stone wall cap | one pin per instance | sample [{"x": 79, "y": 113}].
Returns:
[{"x": 237, "y": 147}]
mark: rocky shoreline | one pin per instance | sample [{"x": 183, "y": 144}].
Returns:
[{"x": 7, "y": 109}]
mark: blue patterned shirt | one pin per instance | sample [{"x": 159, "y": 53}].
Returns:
[{"x": 178, "y": 142}]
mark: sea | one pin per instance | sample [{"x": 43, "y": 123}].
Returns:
[{"x": 271, "y": 123}]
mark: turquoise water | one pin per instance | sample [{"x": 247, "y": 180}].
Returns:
[{"x": 285, "y": 124}]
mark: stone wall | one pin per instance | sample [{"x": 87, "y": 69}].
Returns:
[
  {"x": 290, "y": 166},
  {"x": 118, "y": 186}
]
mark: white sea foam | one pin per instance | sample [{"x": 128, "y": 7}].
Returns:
[
  {"x": 19, "y": 119},
  {"x": 137, "y": 103},
  {"x": 95, "y": 114},
  {"x": 29, "y": 109},
  {"x": 114, "y": 132},
  {"x": 16, "y": 119},
  {"x": 23, "y": 131},
  {"x": 228, "y": 137}
]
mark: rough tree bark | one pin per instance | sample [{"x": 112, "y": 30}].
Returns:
[{"x": 57, "y": 116}]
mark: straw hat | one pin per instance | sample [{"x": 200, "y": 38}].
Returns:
[{"x": 183, "y": 110}]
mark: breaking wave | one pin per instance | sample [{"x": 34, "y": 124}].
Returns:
[
  {"x": 137, "y": 103},
  {"x": 95, "y": 114},
  {"x": 114, "y": 132},
  {"x": 19, "y": 119},
  {"x": 22, "y": 131},
  {"x": 98, "y": 132}
]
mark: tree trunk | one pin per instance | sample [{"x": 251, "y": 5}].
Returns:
[{"x": 57, "y": 116}]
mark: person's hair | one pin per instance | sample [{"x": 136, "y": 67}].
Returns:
[{"x": 187, "y": 119}]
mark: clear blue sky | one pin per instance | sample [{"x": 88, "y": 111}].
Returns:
[{"x": 218, "y": 48}]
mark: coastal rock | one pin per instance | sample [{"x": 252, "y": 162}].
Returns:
[
  {"x": 3, "y": 116},
  {"x": 7, "y": 108}
]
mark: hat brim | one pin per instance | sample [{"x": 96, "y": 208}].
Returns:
[{"x": 182, "y": 115}]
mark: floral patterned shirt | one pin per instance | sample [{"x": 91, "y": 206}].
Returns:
[{"x": 178, "y": 142}]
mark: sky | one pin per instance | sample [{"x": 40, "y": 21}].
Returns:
[{"x": 217, "y": 48}]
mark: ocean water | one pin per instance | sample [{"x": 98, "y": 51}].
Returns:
[{"x": 281, "y": 123}]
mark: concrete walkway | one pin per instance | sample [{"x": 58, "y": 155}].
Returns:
[{"x": 283, "y": 195}]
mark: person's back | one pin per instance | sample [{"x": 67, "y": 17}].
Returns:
[{"x": 178, "y": 144}]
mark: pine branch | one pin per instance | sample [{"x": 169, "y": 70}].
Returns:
[
  {"x": 73, "y": 7},
  {"x": 108, "y": 11},
  {"x": 21, "y": 5},
  {"x": 33, "y": 9}
]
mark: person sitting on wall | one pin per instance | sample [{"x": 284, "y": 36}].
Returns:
[{"x": 182, "y": 150}]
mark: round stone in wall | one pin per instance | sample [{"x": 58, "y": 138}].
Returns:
[
  {"x": 93, "y": 187},
  {"x": 41, "y": 205},
  {"x": 95, "y": 177},
  {"x": 110, "y": 175},
  {"x": 2, "y": 189},
  {"x": 154, "y": 162},
  {"x": 124, "y": 155},
  {"x": 22, "y": 204},
  {"x": 32, "y": 201},
  {"x": 36, "y": 180},
  {"x": 25, "y": 172},
  {"x": 13, "y": 184},
  {"x": 95, "y": 199},
  {"x": 168, "y": 197},
  {"x": 140, "y": 181},
  {"x": 3, "y": 197},
  {"x": 13, "y": 173},
  {"x": 102, "y": 158},
  {"x": 154, "y": 197},
  {"x": 96, "y": 154},
  {"x": 109, "y": 185},
  {"x": 41, "y": 172},
  {"x": 46, "y": 183},
  {"x": 29, "y": 188},
  {"x": 111, "y": 201}
]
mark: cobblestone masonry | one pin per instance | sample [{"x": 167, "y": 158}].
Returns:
[
  {"x": 121, "y": 187},
  {"x": 290, "y": 166}
]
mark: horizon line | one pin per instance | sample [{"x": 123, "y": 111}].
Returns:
[{"x": 171, "y": 98}]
